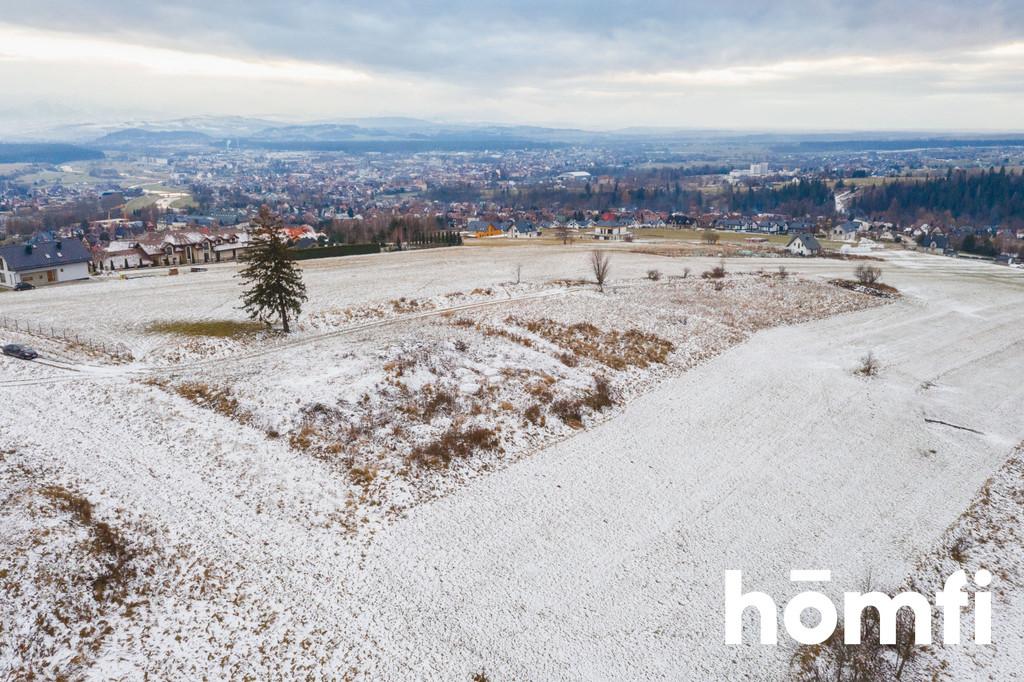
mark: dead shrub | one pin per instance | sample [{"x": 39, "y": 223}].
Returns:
[
  {"x": 868, "y": 366},
  {"x": 958, "y": 549},
  {"x": 363, "y": 475},
  {"x": 399, "y": 366},
  {"x": 304, "y": 437},
  {"x": 600, "y": 397},
  {"x": 569, "y": 359},
  {"x": 455, "y": 443},
  {"x": 410, "y": 305},
  {"x": 534, "y": 414},
  {"x": 571, "y": 410},
  {"x": 717, "y": 272},
  {"x": 868, "y": 274},
  {"x": 436, "y": 400}
]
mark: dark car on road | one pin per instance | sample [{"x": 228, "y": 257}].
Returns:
[
  {"x": 19, "y": 351},
  {"x": 23, "y": 286}
]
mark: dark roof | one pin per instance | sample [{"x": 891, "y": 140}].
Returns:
[
  {"x": 46, "y": 254},
  {"x": 808, "y": 240}
]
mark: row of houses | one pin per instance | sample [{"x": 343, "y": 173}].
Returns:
[
  {"x": 171, "y": 249},
  {"x": 601, "y": 230}
]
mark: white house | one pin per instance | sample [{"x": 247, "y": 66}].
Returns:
[
  {"x": 803, "y": 245},
  {"x": 44, "y": 263}
]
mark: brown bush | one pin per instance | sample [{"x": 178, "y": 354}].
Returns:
[
  {"x": 717, "y": 272},
  {"x": 304, "y": 437},
  {"x": 570, "y": 410},
  {"x": 363, "y": 475},
  {"x": 455, "y": 443},
  {"x": 535, "y": 414},
  {"x": 435, "y": 400}
]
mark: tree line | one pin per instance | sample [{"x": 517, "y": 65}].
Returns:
[{"x": 992, "y": 197}]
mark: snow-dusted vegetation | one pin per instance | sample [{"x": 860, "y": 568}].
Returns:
[{"x": 443, "y": 472}]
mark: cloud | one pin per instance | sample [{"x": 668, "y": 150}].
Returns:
[{"x": 525, "y": 61}]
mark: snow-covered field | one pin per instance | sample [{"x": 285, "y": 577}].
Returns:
[{"x": 268, "y": 506}]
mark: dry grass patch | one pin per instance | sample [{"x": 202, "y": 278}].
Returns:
[
  {"x": 410, "y": 305},
  {"x": 457, "y": 442},
  {"x": 220, "y": 400},
  {"x": 614, "y": 349},
  {"x": 220, "y": 329},
  {"x": 107, "y": 546}
]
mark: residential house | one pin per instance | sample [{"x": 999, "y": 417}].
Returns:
[
  {"x": 522, "y": 230},
  {"x": 44, "y": 263},
  {"x": 612, "y": 231},
  {"x": 803, "y": 244},
  {"x": 121, "y": 255},
  {"x": 845, "y": 232}
]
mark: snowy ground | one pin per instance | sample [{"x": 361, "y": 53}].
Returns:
[{"x": 565, "y": 553}]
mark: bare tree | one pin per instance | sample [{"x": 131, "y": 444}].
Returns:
[
  {"x": 562, "y": 232},
  {"x": 600, "y": 266},
  {"x": 867, "y": 274}
]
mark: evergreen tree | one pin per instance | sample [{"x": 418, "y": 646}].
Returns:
[{"x": 272, "y": 280}]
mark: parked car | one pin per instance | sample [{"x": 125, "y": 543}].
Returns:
[
  {"x": 19, "y": 351},
  {"x": 23, "y": 286}
]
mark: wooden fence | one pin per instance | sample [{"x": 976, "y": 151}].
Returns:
[{"x": 117, "y": 351}]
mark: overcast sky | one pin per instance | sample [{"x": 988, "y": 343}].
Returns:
[{"x": 855, "y": 64}]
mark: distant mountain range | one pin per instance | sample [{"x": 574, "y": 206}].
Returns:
[{"x": 412, "y": 134}]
